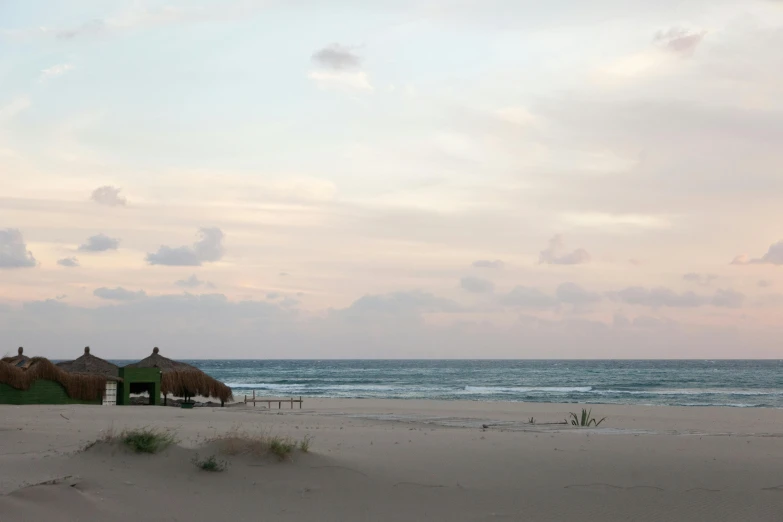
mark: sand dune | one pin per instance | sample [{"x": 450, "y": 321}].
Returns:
[{"x": 397, "y": 461}]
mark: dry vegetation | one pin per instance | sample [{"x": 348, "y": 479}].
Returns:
[
  {"x": 237, "y": 442},
  {"x": 77, "y": 386}
]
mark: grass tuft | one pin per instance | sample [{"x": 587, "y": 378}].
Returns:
[
  {"x": 235, "y": 442},
  {"x": 584, "y": 420},
  {"x": 211, "y": 464},
  {"x": 531, "y": 420},
  {"x": 304, "y": 444},
  {"x": 147, "y": 440}
]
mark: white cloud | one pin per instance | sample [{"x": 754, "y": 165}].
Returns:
[
  {"x": 55, "y": 71},
  {"x": 527, "y": 297},
  {"x": 100, "y": 243},
  {"x": 487, "y": 263},
  {"x": 337, "y": 57},
  {"x": 118, "y": 294},
  {"x": 209, "y": 248},
  {"x": 477, "y": 285},
  {"x": 109, "y": 196},
  {"x": 191, "y": 282},
  {"x": 554, "y": 255},
  {"x": 700, "y": 279},
  {"x": 774, "y": 256},
  {"x": 665, "y": 297},
  {"x": 13, "y": 250},
  {"x": 14, "y": 107},
  {"x": 357, "y": 81},
  {"x": 68, "y": 262}
]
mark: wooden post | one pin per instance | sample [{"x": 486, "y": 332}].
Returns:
[
  {"x": 246, "y": 398},
  {"x": 300, "y": 402},
  {"x": 254, "y": 398},
  {"x": 292, "y": 403},
  {"x": 279, "y": 405}
]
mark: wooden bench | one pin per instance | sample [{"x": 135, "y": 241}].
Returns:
[{"x": 269, "y": 401}]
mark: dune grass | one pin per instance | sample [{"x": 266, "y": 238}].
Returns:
[
  {"x": 211, "y": 464},
  {"x": 147, "y": 440},
  {"x": 237, "y": 441}
]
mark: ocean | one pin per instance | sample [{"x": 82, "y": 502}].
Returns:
[{"x": 742, "y": 384}]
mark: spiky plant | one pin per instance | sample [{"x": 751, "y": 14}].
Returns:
[{"x": 585, "y": 420}]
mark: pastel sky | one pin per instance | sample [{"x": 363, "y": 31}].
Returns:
[{"x": 392, "y": 179}]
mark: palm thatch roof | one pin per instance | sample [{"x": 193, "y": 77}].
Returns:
[
  {"x": 183, "y": 380},
  {"x": 77, "y": 386},
  {"x": 20, "y": 360},
  {"x": 89, "y": 364}
]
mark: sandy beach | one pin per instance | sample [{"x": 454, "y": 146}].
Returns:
[{"x": 391, "y": 460}]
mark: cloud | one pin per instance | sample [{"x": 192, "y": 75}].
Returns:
[
  {"x": 190, "y": 282},
  {"x": 118, "y": 294},
  {"x": 341, "y": 80},
  {"x": 679, "y": 41},
  {"x": 664, "y": 297},
  {"x": 700, "y": 279},
  {"x": 486, "y": 263},
  {"x": 574, "y": 294},
  {"x": 108, "y": 195},
  {"x": 553, "y": 255},
  {"x": 16, "y": 106},
  {"x": 727, "y": 299},
  {"x": 13, "y": 250},
  {"x": 100, "y": 243},
  {"x": 54, "y": 71},
  {"x": 764, "y": 283},
  {"x": 273, "y": 295},
  {"x": 774, "y": 256},
  {"x": 742, "y": 259},
  {"x": 337, "y": 57},
  {"x": 401, "y": 303},
  {"x": 69, "y": 262},
  {"x": 476, "y": 285},
  {"x": 89, "y": 28},
  {"x": 207, "y": 249},
  {"x": 527, "y": 297}
]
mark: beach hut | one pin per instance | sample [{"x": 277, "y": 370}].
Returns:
[
  {"x": 183, "y": 380},
  {"x": 19, "y": 361},
  {"x": 39, "y": 381},
  {"x": 89, "y": 364}
]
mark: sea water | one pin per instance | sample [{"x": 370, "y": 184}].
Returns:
[{"x": 676, "y": 383}]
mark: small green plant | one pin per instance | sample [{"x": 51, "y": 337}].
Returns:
[
  {"x": 585, "y": 420},
  {"x": 304, "y": 444},
  {"x": 532, "y": 420},
  {"x": 147, "y": 440},
  {"x": 210, "y": 463},
  {"x": 282, "y": 447}
]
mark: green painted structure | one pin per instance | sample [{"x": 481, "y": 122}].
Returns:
[
  {"x": 138, "y": 380},
  {"x": 41, "y": 392}
]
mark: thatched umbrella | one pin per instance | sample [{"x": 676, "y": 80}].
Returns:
[
  {"x": 82, "y": 387},
  {"x": 20, "y": 360},
  {"x": 183, "y": 380},
  {"x": 89, "y": 364}
]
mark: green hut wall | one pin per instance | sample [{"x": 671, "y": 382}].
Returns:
[
  {"x": 41, "y": 391},
  {"x": 132, "y": 377}
]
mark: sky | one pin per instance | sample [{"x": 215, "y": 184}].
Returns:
[{"x": 392, "y": 179}]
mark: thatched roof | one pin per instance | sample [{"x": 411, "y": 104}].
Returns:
[
  {"x": 89, "y": 364},
  {"x": 20, "y": 360},
  {"x": 183, "y": 380},
  {"x": 77, "y": 386}
]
